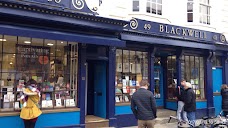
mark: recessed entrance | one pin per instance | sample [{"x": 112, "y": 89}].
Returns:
[{"x": 95, "y": 99}]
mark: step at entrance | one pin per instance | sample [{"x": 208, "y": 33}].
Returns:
[
  {"x": 92, "y": 121},
  {"x": 163, "y": 116}
]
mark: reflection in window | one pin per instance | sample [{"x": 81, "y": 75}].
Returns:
[
  {"x": 217, "y": 61},
  {"x": 194, "y": 73},
  {"x": 135, "y": 5},
  {"x": 52, "y": 63},
  {"x": 171, "y": 77},
  {"x": 204, "y": 11},
  {"x": 131, "y": 68},
  {"x": 190, "y": 10},
  {"x": 154, "y": 7}
]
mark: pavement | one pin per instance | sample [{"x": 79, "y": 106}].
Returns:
[{"x": 166, "y": 125}]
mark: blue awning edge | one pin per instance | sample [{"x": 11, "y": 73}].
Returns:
[{"x": 57, "y": 35}]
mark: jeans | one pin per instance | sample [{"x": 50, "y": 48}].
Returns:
[
  {"x": 181, "y": 114},
  {"x": 191, "y": 118},
  {"x": 146, "y": 123}
]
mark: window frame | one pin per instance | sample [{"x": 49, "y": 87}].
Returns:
[
  {"x": 202, "y": 15},
  {"x": 153, "y": 11}
]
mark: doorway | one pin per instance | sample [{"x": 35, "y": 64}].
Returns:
[
  {"x": 95, "y": 99},
  {"x": 217, "y": 82}
]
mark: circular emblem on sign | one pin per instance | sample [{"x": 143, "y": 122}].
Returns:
[
  {"x": 78, "y": 4},
  {"x": 215, "y": 37},
  {"x": 134, "y": 24},
  {"x": 222, "y": 38}
]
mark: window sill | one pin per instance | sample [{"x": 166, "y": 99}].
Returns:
[
  {"x": 123, "y": 104},
  {"x": 43, "y": 111},
  {"x": 135, "y": 14}
]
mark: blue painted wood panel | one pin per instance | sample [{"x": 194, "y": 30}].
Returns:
[
  {"x": 120, "y": 110},
  {"x": 45, "y": 120},
  {"x": 171, "y": 105},
  {"x": 160, "y": 101},
  {"x": 100, "y": 89},
  {"x": 217, "y": 82},
  {"x": 201, "y": 104}
]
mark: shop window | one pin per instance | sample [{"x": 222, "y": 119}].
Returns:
[
  {"x": 190, "y": 11},
  {"x": 204, "y": 11},
  {"x": 193, "y": 72},
  {"x": 52, "y": 63},
  {"x": 217, "y": 61},
  {"x": 171, "y": 77},
  {"x": 154, "y": 7},
  {"x": 135, "y": 5},
  {"x": 131, "y": 68}
]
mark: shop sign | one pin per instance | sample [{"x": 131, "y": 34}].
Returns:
[
  {"x": 173, "y": 31},
  {"x": 85, "y": 6}
]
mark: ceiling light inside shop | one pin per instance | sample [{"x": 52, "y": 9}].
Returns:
[
  {"x": 27, "y": 42},
  {"x": 61, "y": 42},
  {"x": 11, "y": 62},
  {"x": 50, "y": 44},
  {"x": 2, "y": 39},
  {"x": 51, "y": 53}
]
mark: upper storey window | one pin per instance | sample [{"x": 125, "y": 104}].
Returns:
[
  {"x": 190, "y": 10},
  {"x": 135, "y": 6},
  {"x": 154, "y": 7},
  {"x": 204, "y": 12}
]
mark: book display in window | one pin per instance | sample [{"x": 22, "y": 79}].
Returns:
[{"x": 129, "y": 72}]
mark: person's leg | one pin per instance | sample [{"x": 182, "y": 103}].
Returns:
[
  {"x": 179, "y": 110},
  {"x": 191, "y": 118},
  {"x": 185, "y": 116},
  {"x": 33, "y": 122},
  {"x": 141, "y": 124},
  {"x": 26, "y": 123},
  {"x": 150, "y": 123}
]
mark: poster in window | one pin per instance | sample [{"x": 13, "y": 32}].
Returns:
[
  {"x": 126, "y": 67},
  {"x": 119, "y": 67},
  {"x": 33, "y": 58}
]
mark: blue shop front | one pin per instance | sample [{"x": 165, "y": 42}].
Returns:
[
  {"x": 87, "y": 67},
  {"x": 164, "y": 54}
]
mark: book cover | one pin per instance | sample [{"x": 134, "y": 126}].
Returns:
[
  {"x": 39, "y": 79},
  {"x": 126, "y": 99},
  {"x": 48, "y": 96},
  {"x": 6, "y": 98},
  {"x": 58, "y": 102},
  {"x": 72, "y": 102},
  {"x": 67, "y": 102},
  {"x": 16, "y": 105},
  {"x": 49, "y": 103},
  {"x": 43, "y": 96},
  {"x": 44, "y": 103},
  {"x": 117, "y": 99},
  {"x": 34, "y": 78}
]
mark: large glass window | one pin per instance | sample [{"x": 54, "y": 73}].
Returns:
[
  {"x": 52, "y": 63},
  {"x": 217, "y": 61},
  {"x": 194, "y": 73},
  {"x": 171, "y": 77},
  {"x": 190, "y": 11},
  {"x": 154, "y": 7},
  {"x": 131, "y": 68},
  {"x": 204, "y": 11},
  {"x": 135, "y": 6}
]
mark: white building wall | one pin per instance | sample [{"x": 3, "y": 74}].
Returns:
[{"x": 173, "y": 12}]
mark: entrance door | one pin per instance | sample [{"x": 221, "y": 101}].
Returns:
[
  {"x": 96, "y": 89},
  {"x": 217, "y": 82},
  {"x": 158, "y": 88}
]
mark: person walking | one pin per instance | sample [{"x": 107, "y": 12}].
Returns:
[
  {"x": 29, "y": 102},
  {"x": 181, "y": 114},
  {"x": 224, "y": 93},
  {"x": 190, "y": 104},
  {"x": 143, "y": 106}
]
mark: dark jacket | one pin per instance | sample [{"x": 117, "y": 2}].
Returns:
[
  {"x": 180, "y": 93},
  {"x": 143, "y": 105},
  {"x": 190, "y": 100},
  {"x": 224, "y": 93}
]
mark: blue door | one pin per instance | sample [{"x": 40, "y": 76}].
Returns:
[
  {"x": 217, "y": 82},
  {"x": 100, "y": 89},
  {"x": 158, "y": 86}
]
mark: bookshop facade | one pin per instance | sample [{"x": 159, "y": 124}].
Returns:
[
  {"x": 88, "y": 67},
  {"x": 62, "y": 53}
]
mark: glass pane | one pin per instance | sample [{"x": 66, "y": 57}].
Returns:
[
  {"x": 190, "y": 17},
  {"x": 24, "y": 40},
  {"x": 159, "y": 7},
  {"x": 8, "y": 65},
  {"x": 153, "y": 8},
  {"x": 9, "y": 45},
  {"x": 135, "y": 5},
  {"x": 189, "y": 7},
  {"x": 159, "y": 1},
  {"x": 148, "y": 8},
  {"x": 2, "y": 39}
]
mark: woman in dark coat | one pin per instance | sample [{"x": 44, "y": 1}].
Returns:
[{"x": 224, "y": 93}]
